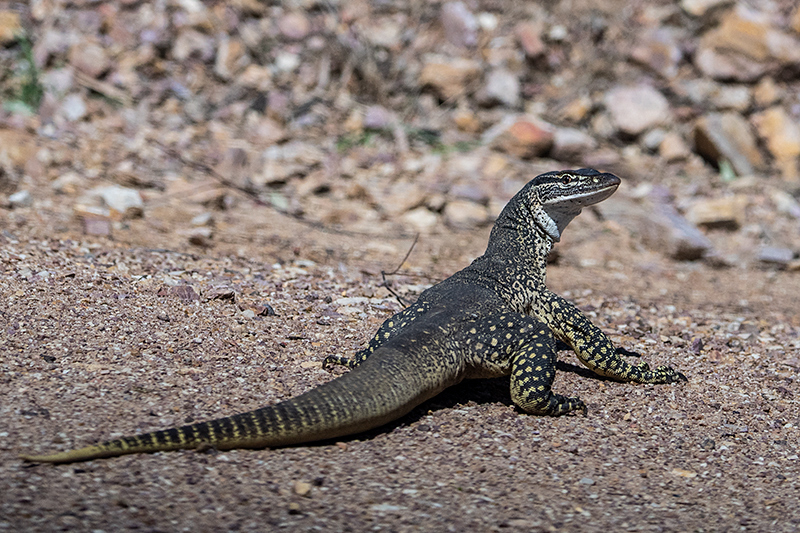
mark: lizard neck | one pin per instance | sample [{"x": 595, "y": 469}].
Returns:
[{"x": 517, "y": 254}]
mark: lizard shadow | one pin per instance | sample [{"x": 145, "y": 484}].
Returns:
[{"x": 477, "y": 391}]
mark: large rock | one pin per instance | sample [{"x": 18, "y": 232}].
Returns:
[
  {"x": 658, "y": 225},
  {"x": 728, "y": 136},
  {"x": 634, "y": 109}
]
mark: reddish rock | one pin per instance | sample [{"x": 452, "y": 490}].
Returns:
[{"x": 521, "y": 137}]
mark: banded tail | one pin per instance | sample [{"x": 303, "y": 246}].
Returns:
[{"x": 385, "y": 387}]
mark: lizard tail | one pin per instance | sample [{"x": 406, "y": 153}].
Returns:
[{"x": 383, "y": 388}]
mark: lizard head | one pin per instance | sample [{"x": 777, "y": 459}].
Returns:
[{"x": 558, "y": 197}]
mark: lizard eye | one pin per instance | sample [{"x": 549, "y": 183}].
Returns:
[{"x": 566, "y": 180}]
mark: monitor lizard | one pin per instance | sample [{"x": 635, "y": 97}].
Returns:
[{"x": 494, "y": 318}]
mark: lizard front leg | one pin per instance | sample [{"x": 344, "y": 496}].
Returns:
[
  {"x": 595, "y": 349},
  {"x": 525, "y": 347}
]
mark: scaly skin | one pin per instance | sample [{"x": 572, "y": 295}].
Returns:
[{"x": 496, "y": 317}]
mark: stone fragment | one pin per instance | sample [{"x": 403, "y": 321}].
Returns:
[
  {"x": 722, "y": 213},
  {"x": 520, "y": 136},
  {"x": 782, "y": 136},
  {"x": 192, "y": 43},
  {"x": 73, "y": 107},
  {"x": 736, "y": 97},
  {"x": 766, "y": 92},
  {"x": 127, "y": 202},
  {"x": 385, "y": 32},
  {"x": 463, "y": 214},
  {"x": 200, "y": 236},
  {"x": 728, "y": 137},
  {"x": 745, "y": 45},
  {"x": 570, "y": 144},
  {"x": 95, "y": 220},
  {"x": 475, "y": 192},
  {"x": 658, "y": 49},
  {"x": 10, "y": 27},
  {"x": 294, "y": 26},
  {"x": 775, "y": 256},
  {"x": 403, "y": 196},
  {"x": 785, "y": 203},
  {"x": 529, "y": 36},
  {"x": 652, "y": 139},
  {"x": 89, "y": 58},
  {"x": 16, "y": 147},
  {"x": 21, "y": 198},
  {"x": 67, "y": 183},
  {"x": 286, "y": 61},
  {"x": 502, "y": 86},
  {"x": 278, "y": 163},
  {"x": 728, "y": 67},
  {"x": 673, "y": 147},
  {"x": 377, "y": 117},
  {"x": 578, "y": 109},
  {"x": 460, "y": 25},
  {"x": 699, "y": 8},
  {"x": 449, "y": 77},
  {"x": 795, "y": 22},
  {"x": 231, "y": 58},
  {"x": 203, "y": 219},
  {"x": 255, "y": 77},
  {"x": 421, "y": 219},
  {"x": 466, "y": 120},
  {"x": 658, "y": 225},
  {"x": 634, "y": 109}
]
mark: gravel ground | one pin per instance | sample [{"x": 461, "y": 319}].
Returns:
[{"x": 105, "y": 339}]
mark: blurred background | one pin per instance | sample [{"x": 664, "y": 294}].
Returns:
[{"x": 143, "y": 120}]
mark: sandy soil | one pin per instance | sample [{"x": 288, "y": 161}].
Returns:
[{"x": 99, "y": 341}]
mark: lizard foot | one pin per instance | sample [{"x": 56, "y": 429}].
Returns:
[{"x": 332, "y": 360}]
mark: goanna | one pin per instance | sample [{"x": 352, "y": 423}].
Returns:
[{"x": 494, "y": 318}]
